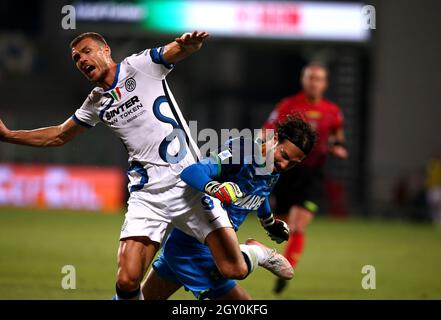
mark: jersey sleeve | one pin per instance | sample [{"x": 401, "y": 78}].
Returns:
[
  {"x": 264, "y": 210},
  {"x": 199, "y": 174},
  {"x": 87, "y": 115},
  {"x": 151, "y": 62}
]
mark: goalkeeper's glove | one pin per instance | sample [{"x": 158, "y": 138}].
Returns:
[
  {"x": 277, "y": 229},
  {"x": 227, "y": 192}
]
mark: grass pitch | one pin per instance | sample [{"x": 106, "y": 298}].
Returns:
[{"x": 35, "y": 245}]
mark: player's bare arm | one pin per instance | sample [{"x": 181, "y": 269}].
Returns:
[
  {"x": 53, "y": 136},
  {"x": 184, "y": 46}
]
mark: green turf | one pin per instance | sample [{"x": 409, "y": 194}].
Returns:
[{"x": 35, "y": 245}]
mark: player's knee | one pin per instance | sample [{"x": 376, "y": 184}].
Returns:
[
  {"x": 234, "y": 271},
  {"x": 301, "y": 221},
  {"x": 127, "y": 282},
  {"x": 294, "y": 227}
]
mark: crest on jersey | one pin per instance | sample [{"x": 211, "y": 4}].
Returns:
[
  {"x": 225, "y": 155},
  {"x": 130, "y": 84},
  {"x": 312, "y": 114}
]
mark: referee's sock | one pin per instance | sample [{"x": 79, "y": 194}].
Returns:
[{"x": 294, "y": 247}]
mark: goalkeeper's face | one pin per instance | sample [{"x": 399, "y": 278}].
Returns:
[
  {"x": 286, "y": 156},
  {"x": 92, "y": 59}
]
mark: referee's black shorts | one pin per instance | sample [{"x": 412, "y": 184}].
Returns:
[{"x": 300, "y": 186}]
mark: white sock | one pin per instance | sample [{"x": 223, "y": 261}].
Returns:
[
  {"x": 259, "y": 252},
  {"x": 254, "y": 253},
  {"x": 252, "y": 258}
]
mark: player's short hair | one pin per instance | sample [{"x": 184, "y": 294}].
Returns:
[
  {"x": 297, "y": 131},
  {"x": 91, "y": 35},
  {"x": 315, "y": 64}
]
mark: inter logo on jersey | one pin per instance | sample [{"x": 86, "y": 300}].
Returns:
[{"x": 130, "y": 84}]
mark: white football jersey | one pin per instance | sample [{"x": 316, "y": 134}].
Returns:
[{"x": 141, "y": 110}]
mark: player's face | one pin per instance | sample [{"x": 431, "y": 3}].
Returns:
[
  {"x": 286, "y": 156},
  {"x": 92, "y": 59},
  {"x": 314, "y": 82}
]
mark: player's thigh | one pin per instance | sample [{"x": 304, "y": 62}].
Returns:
[
  {"x": 224, "y": 247},
  {"x": 205, "y": 216},
  {"x": 237, "y": 293},
  {"x": 145, "y": 218},
  {"x": 135, "y": 255},
  {"x": 208, "y": 222},
  {"x": 155, "y": 287}
]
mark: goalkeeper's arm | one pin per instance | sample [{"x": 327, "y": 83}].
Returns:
[
  {"x": 276, "y": 229},
  {"x": 201, "y": 176}
]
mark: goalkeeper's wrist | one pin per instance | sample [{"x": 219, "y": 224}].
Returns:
[
  {"x": 210, "y": 185},
  {"x": 268, "y": 221}
]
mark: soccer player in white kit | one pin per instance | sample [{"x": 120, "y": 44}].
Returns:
[{"x": 132, "y": 98}]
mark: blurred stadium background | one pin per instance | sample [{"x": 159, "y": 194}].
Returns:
[{"x": 65, "y": 206}]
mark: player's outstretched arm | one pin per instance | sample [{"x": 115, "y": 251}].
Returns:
[
  {"x": 184, "y": 46},
  {"x": 44, "y": 137}
]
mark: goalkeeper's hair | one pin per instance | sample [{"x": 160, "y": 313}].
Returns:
[
  {"x": 297, "y": 131},
  {"x": 91, "y": 35}
]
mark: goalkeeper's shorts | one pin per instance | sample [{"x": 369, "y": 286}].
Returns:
[{"x": 185, "y": 261}]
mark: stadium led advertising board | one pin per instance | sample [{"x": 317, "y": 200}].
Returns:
[
  {"x": 262, "y": 19},
  {"x": 61, "y": 187}
]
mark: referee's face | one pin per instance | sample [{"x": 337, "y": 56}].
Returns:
[
  {"x": 286, "y": 156},
  {"x": 92, "y": 59},
  {"x": 314, "y": 82}
]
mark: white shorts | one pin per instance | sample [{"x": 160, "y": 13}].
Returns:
[{"x": 153, "y": 214}]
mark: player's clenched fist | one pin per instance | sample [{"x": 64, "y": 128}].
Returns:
[
  {"x": 277, "y": 229},
  {"x": 227, "y": 192}
]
